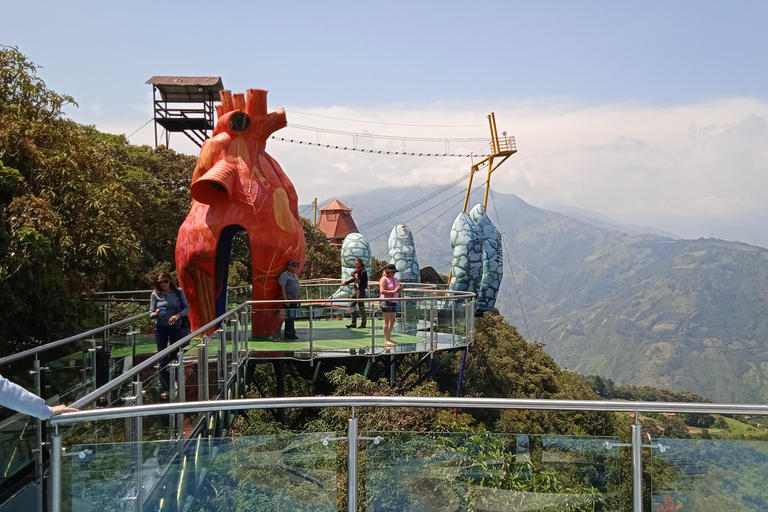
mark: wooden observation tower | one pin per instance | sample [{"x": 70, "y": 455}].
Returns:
[{"x": 185, "y": 105}]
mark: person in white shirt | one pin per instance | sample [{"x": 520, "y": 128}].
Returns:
[{"x": 20, "y": 400}]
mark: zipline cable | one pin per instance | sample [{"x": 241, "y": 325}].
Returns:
[
  {"x": 391, "y": 124},
  {"x": 374, "y": 151},
  {"x": 384, "y": 137},
  {"x": 139, "y": 128},
  {"x": 435, "y": 206},
  {"x": 416, "y": 203}
]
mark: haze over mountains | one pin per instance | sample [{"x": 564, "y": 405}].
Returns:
[{"x": 639, "y": 308}]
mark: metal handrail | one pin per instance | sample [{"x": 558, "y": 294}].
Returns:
[
  {"x": 132, "y": 292},
  {"x": 76, "y": 337},
  {"x": 125, "y": 377},
  {"x": 441, "y": 295},
  {"x": 405, "y": 401}
]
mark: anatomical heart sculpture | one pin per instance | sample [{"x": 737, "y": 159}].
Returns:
[{"x": 238, "y": 186}]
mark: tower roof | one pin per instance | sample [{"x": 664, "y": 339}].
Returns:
[
  {"x": 336, "y": 221},
  {"x": 187, "y": 89},
  {"x": 335, "y": 205}
]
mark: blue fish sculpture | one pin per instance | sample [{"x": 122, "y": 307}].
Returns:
[
  {"x": 355, "y": 246},
  {"x": 402, "y": 252},
  {"x": 467, "y": 263},
  {"x": 493, "y": 259}
]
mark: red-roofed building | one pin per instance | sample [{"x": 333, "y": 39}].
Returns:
[{"x": 336, "y": 222}]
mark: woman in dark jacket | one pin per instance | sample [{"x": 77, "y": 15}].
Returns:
[
  {"x": 360, "y": 278},
  {"x": 169, "y": 305}
]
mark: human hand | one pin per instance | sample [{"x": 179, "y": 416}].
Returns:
[
  {"x": 61, "y": 409},
  {"x": 173, "y": 319},
  {"x": 157, "y": 312}
]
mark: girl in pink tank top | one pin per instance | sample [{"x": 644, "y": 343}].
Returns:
[{"x": 389, "y": 289}]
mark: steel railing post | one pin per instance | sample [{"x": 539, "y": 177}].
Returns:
[
  {"x": 105, "y": 334},
  {"x": 172, "y": 390},
  {"x": 637, "y": 467},
  {"x": 206, "y": 395},
  {"x": 56, "y": 473},
  {"x": 466, "y": 322},
  {"x": 235, "y": 340},
  {"x": 472, "y": 320},
  {"x": 373, "y": 331},
  {"x": 92, "y": 350},
  {"x": 403, "y": 307},
  {"x": 352, "y": 465},
  {"x": 453, "y": 321},
  {"x": 223, "y": 359},
  {"x": 311, "y": 336},
  {"x": 181, "y": 394},
  {"x": 38, "y": 424},
  {"x": 132, "y": 335},
  {"x": 138, "y": 453},
  {"x": 432, "y": 325},
  {"x": 236, "y": 354}
]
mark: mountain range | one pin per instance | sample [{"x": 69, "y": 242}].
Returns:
[{"x": 637, "y": 307}]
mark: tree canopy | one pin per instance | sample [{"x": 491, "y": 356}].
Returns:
[{"x": 80, "y": 210}]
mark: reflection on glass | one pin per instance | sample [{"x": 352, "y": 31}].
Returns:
[
  {"x": 264, "y": 473},
  {"x": 474, "y": 471},
  {"x": 710, "y": 475}
]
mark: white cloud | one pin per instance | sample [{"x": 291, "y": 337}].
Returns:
[{"x": 697, "y": 169}]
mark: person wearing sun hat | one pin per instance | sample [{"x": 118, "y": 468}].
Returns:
[
  {"x": 389, "y": 288},
  {"x": 289, "y": 290}
]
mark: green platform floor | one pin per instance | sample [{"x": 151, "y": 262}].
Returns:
[{"x": 328, "y": 335}]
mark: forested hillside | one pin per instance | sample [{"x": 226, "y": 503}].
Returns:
[
  {"x": 80, "y": 210},
  {"x": 638, "y": 309}
]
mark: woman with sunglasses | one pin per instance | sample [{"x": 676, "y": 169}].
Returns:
[
  {"x": 168, "y": 304},
  {"x": 389, "y": 288}
]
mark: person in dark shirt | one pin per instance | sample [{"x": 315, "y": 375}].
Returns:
[
  {"x": 289, "y": 290},
  {"x": 168, "y": 305},
  {"x": 360, "y": 278}
]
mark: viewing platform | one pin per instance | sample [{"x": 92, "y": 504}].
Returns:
[{"x": 131, "y": 449}]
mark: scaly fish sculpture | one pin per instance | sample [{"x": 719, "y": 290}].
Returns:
[
  {"x": 467, "y": 263},
  {"x": 493, "y": 259},
  {"x": 355, "y": 246},
  {"x": 402, "y": 252}
]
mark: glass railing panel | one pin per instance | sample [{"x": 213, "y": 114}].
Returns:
[
  {"x": 18, "y": 442},
  {"x": 280, "y": 472},
  {"x": 709, "y": 475},
  {"x": 480, "y": 471},
  {"x": 420, "y": 325}
]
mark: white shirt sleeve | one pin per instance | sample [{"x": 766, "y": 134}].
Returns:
[{"x": 19, "y": 399}]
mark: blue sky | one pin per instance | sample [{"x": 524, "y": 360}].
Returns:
[
  {"x": 369, "y": 53},
  {"x": 633, "y": 109}
]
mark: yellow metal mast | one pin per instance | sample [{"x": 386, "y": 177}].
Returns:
[{"x": 504, "y": 147}]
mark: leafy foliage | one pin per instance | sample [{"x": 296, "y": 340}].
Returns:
[{"x": 80, "y": 210}]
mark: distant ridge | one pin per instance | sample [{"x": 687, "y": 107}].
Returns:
[
  {"x": 640, "y": 309},
  {"x": 602, "y": 221}
]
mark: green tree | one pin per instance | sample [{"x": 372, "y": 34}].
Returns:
[
  {"x": 322, "y": 259},
  {"x": 80, "y": 210}
]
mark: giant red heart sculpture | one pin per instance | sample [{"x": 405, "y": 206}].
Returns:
[{"x": 236, "y": 185}]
